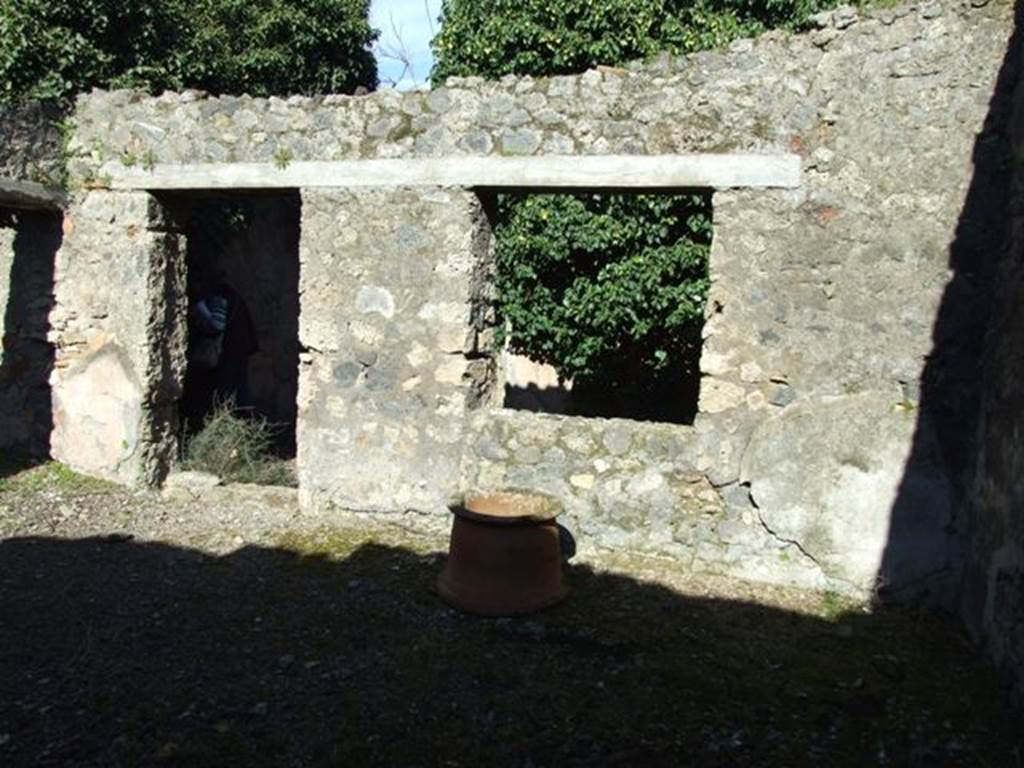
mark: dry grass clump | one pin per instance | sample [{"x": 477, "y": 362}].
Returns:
[{"x": 238, "y": 448}]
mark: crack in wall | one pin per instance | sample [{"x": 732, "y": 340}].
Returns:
[{"x": 784, "y": 540}]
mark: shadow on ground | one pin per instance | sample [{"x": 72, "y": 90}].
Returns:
[
  {"x": 14, "y": 462},
  {"x": 116, "y": 653}
]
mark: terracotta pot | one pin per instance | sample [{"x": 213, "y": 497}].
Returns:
[{"x": 504, "y": 558}]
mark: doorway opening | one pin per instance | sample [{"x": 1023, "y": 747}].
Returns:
[{"x": 242, "y": 268}]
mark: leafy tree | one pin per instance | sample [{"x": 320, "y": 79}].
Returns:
[
  {"x": 609, "y": 289},
  {"x": 53, "y": 49},
  {"x": 492, "y": 38},
  {"x": 285, "y": 46}
]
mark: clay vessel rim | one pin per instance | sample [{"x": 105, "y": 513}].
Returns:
[{"x": 506, "y": 507}]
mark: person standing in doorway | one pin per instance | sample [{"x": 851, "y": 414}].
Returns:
[{"x": 221, "y": 341}]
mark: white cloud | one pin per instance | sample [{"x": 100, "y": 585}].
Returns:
[{"x": 405, "y": 25}]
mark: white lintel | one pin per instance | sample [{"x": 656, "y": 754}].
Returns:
[{"x": 715, "y": 171}]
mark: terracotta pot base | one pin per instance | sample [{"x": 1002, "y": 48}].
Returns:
[{"x": 504, "y": 565}]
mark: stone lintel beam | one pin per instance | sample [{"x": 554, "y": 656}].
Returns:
[
  {"x": 716, "y": 171},
  {"x": 29, "y": 195}
]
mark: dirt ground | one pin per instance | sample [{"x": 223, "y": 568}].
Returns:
[{"x": 227, "y": 629}]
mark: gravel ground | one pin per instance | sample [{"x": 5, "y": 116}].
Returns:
[{"x": 225, "y": 628}]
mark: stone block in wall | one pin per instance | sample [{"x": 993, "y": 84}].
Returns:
[
  {"x": 390, "y": 283},
  {"x": 625, "y": 485},
  {"x": 857, "y": 484},
  {"x": 98, "y": 413},
  {"x": 739, "y": 545}
]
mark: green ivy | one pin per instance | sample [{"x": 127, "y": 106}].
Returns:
[{"x": 54, "y": 49}]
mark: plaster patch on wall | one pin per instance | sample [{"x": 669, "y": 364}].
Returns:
[{"x": 98, "y": 413}]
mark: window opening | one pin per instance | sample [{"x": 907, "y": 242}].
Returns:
[{"x": 600, "y": 301}]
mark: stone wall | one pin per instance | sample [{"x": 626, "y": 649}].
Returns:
[
  {"x": 264, "y": 268},
  {"x": 28, "y": 243},
  {"x": 840, "y": 393},
  {"x": 396, "y": 347},
  {"x": 994, "y": 585},
  {"x": 777, "y": 93},
  {"x": 993, "y": 591},
  {"x": 31, "y": 144},
  {"x": 120, "y": 337}
]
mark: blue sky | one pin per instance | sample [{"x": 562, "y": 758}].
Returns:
[{"x": 407, "y": 24}]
